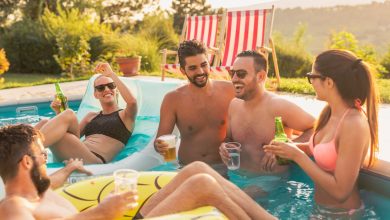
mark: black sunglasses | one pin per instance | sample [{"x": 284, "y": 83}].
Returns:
[
  {"x": 240, "y": 73},
  {"x": 102, "y": 87},
  {"x": 311, "y": 76}
]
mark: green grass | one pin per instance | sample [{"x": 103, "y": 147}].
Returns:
[
  {"x": 292, "y": 85},
  {"x": 13, "y": 80}
]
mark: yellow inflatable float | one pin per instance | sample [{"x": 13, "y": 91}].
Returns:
[{"x": 88, "y": 193}]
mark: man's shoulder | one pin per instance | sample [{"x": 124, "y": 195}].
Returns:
[
  {"x": 224, "y": 84},
  {"x": 278, "y": 101},
  {"x": 14, "y": 206}
]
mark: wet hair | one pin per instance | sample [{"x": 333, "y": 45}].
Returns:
[
  {"x": 259, "y": 59},
  {"x": 15, "y": 142},
  {"x": 355, "y": 83},
  {"x": 190, "y": 48}
]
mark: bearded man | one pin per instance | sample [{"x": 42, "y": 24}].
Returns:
[{"x": 199, "y": 109}]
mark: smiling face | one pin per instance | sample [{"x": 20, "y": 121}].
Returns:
[
  {"x": 197, "y": 69},
  {"x": 107, "y": 95},
  {"x": 244, "y": 78}
]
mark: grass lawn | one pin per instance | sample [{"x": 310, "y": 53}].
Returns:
[{"x": 292, "y": 85}]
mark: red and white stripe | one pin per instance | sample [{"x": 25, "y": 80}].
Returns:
[
  {"x": 245, "y": 31},
  {"x": 203, "y": 28}
]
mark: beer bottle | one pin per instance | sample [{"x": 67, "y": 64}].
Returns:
[
  {"x": 61, "y": 97},
  {"x": 280, "y": 136}
]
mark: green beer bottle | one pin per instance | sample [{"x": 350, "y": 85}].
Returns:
[
  {"x": 61, "y": 97},
  {"x": 280, "y": 136}
]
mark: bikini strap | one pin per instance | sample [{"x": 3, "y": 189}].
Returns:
[{"x": 341, "y": 120}]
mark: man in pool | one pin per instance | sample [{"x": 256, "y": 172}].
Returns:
[
  {"x": 252, "y": 118},
  {"x": 28, "y": 193},
  {"x": 198, "y": 109},
  {"x": 106, "y": 132}
]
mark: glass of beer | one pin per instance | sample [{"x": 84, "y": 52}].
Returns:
[
  {"x": 170, "y": 154},
  {"x": 126, "y": 180},
  {"x": 234, "y": 149}
]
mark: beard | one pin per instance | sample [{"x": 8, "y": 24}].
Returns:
[
  {"x": 197, "y": 84},
  {"x": 41, "y": 181}
]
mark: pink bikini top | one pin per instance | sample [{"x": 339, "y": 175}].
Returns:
[{"x": 325, "y": 154}]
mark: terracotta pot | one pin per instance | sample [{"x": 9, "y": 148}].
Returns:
[{"x": 129, "y": 66}]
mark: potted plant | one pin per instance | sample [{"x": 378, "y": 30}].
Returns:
[{"x": 129, "y": 62}]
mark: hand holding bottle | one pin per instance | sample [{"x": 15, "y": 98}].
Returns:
[{"x": 55, "y": 105}]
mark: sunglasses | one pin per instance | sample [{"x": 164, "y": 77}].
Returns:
[
  {"x": 240, "y": 73},
  {"x": 311, "y": 76},
  {"x": 102, "y": 87}
]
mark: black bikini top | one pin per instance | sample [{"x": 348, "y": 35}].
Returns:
[{"x": 110, "y": 125}]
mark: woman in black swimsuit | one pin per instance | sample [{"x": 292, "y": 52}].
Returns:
[{"x": 106, "y": 132}]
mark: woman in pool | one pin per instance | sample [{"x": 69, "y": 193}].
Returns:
[
  {"x": 344, "y": 133},
  {"x": 106, "y": 132}
]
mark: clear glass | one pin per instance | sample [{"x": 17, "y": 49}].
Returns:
[{"x": 233, "y": 149}]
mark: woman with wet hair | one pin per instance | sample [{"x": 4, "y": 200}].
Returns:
[{"x": 346, "y": 133}]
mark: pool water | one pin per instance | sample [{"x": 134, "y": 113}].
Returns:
[
  {"x": 293, "y": 197},
  {"x": 30, "y": 113}
]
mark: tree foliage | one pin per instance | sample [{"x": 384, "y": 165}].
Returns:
[
  {"x": 347, "y": 41},
  {"x": 188, "y": 7},
  {"x": 7, "y": 7}
]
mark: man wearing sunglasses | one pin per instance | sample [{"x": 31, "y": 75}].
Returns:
[
  {"x": 198, "y": 109},
  {"x": 252, "y": 117},
  {"x": 106, "y": 132}
]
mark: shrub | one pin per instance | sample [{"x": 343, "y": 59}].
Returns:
[
  {"x": 75, "y": 34},
  {"x": 293, "y": 59},
  {"x": 386, "y": 64},
  {"x": 4, "y": 64},
  {"x": 348, "y": 41},
  {"x": 28, "y": 50}
]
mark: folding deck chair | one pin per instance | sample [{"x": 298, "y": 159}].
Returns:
[
  {"x": 247, "y": 30},
  {"x": 203, "y": 28}
]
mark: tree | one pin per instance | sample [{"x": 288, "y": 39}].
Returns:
[
  {"x": 190, "y": 7},
  {"x": 7, "y": 7},
  {"x": 347, "y": 41}
]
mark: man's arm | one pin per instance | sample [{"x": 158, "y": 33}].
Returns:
[
  {"x": 295, "y": 117},
  {"x": 58, "y": 178},
  {"x": 167, "y": 119}
]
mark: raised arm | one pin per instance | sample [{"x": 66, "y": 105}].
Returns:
[{"x": 131, "y": 102}]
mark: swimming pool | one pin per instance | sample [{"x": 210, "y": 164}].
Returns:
[
  {"x": 293, "y": 199},
  {"x": 30, "y": 113}
]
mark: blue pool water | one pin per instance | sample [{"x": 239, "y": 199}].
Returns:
[
  {"x": 30, "y": 113},
  {"x": 293, "y": 197}
]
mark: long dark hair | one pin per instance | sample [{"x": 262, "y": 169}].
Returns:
[{"x": 356, "y": 84}]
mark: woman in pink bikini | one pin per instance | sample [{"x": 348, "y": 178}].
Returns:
[{"x": 344, "y": 133}]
